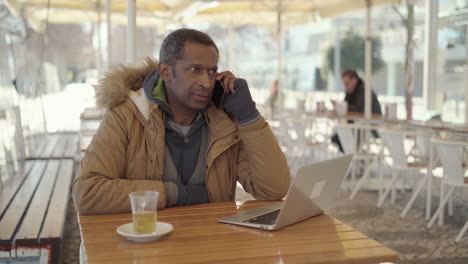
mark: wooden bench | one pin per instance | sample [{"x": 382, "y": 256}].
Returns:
[
  {"x": 92, "y": 113},
  {"x": 33, "y": 207},
  {"x": 90, "y": 119},
  {"x": 53, "y": 146}
]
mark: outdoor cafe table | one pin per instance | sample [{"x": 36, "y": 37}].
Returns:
[
  {"x": 379, "y": 120},
  {"x": 198, "y": 238}
]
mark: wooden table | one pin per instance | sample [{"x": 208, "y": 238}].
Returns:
[
  {"x": 92, "y": 114},
  {"x": 198, "y": 237},
  {"x": 378, "y": 119},
  {"x": 347, "y": 116},
  {"x": 434, "y": 124}
]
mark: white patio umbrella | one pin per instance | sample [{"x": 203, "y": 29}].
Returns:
[{"x": 277, "y": 13}]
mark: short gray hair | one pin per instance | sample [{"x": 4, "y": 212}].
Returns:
[{"x": 173, "y": 44}]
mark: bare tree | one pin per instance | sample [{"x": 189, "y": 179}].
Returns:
[
  {"x": 408, "y": 22},
  {"x": 10, "y": 24}
]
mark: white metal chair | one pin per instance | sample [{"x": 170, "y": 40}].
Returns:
[
  {"x": 348, "y": 135},
  {"x": 317, "y": 138},
  {"x": 394, "y": 141},
  {"x": 451, "y": 155},
  {"x": 289, "y": 135}
]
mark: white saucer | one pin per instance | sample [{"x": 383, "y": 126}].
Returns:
[{"x": 128, "y": 232}]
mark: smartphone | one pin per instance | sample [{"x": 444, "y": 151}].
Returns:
[{"x": 218, "y": 94}]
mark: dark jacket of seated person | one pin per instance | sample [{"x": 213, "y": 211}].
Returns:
[
  {"x": 161, "y": 132},
  {"x": 356, "y": 99}
]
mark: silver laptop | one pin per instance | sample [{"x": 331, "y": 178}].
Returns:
[{"x": 312, "y": 191}]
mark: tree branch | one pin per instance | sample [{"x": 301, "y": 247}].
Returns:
[{"x": 403, "y": 18}]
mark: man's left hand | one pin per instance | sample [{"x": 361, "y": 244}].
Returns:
[
  {"x": 238, "y": 100},
  {"x": 227, "y": 79}
]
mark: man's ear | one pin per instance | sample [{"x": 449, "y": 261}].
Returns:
[{"x": 165, "y": 71}]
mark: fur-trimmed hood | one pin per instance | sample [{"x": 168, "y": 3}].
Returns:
[{"x": 114, "y": 88}]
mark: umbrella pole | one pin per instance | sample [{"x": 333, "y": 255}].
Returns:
[
  {"x": 368, "y": 63},
  {"x": 280, "y": 53},
  {"x": 430, "y": 54},
  {"x": 99, "y": 38},
  {"x": 231, "y": 47},
  {"x": 337, "y": 61},
  {"x": 109, "y": 33},
  {"x": 131, "y": 31},
  {"x": 466, "y": 80}
]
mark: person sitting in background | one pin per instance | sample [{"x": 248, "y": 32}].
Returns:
[
  {"x": 355, "y": 97},
  {"x": 162, "y": 132},
  {"x": 273, "y": 98}
]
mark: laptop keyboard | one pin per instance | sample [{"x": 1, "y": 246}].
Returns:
[{"x": 266, "y": 219}]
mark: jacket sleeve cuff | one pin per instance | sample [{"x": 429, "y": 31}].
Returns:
[
  {"x": 172, "y": 194},
  {"x": 260, "y": 123},
  {"x": 251, "y": 119}
]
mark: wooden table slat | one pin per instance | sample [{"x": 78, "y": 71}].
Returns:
[
  {"x": 28, "y": 233},
  {"x": 19, "y": 204}
]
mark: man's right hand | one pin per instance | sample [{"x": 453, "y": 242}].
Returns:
[
  {"x": 184, "y": 194},
  {"x": 192, "y": 194}
]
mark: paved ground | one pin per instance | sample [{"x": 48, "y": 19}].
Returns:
[
  {"x": 72, "y": 239},
  {"x": 408, "y": 236}
]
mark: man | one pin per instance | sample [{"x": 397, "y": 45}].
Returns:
[
  {"x": 162, "y": 132},
  {"x": 273, "y": 98},
  {"x": 355, "y": 93},
  {"x": 355, "y": 97}
]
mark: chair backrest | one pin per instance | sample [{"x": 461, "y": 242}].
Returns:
[
  {"x": 451, "y": 157},
  {"x": 395, "y": 143},
  {"x": 12, "y": 147},
  {"x": 347, "y": 138},
  {"x": 283, "y": 133},
  {"x": 299, "y": 127},
  {"x": 423, "y": 142}
]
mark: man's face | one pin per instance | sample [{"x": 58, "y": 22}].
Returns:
[
  {"x": 349, "y": 83},
  {"x": 192, "y": 79}
]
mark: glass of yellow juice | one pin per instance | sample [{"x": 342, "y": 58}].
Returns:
[{"x": 144, "y": 211}]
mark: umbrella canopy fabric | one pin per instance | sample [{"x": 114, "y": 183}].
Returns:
[
  {"x": 162, "y": 12},
  {"x": 262, "y": 12}
]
